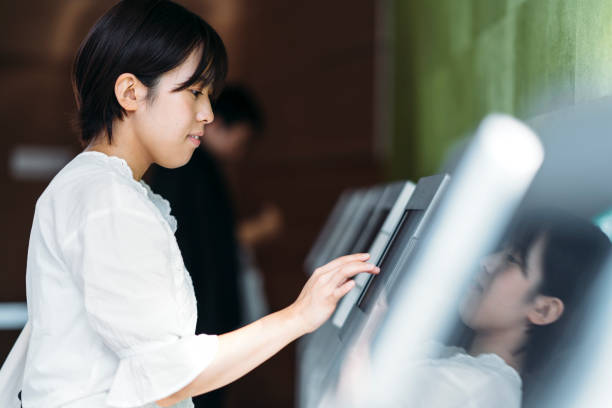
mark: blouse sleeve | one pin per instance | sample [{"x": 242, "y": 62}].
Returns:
[{"x": 135, "y": 300}]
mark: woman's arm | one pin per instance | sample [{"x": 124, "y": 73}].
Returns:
[{"x": 244, "y": 349}]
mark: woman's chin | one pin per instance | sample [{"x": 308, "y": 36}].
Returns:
[
  {"x": 173, "y": 162},
  {"x": 467, "y": 311}
]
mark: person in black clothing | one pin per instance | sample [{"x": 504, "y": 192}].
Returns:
[{"x": 201, "y": 203}]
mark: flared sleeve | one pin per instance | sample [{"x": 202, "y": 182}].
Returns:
[
  {"x": 138, "y": 299},
  {"x": 11, "y": 373}
]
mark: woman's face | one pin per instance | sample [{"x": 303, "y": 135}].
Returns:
[
  {"x": 170, "y": 125},
  {"x": 502, "y": 294}
]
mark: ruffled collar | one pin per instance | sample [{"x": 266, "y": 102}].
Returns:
[
  {"x": 121, "y": 166},
  {"x": 162, "y": 205}
]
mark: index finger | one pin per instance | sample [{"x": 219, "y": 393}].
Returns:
[{"x": 343, "y": 260}]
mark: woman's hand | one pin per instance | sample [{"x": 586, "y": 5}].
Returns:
[
  {"x": 244, "y": 349},
  {"x": 327, "y": 285}
]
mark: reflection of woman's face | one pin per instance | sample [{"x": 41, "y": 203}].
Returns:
[{"x": 500, "y": 296}]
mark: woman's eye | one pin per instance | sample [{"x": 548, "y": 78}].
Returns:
[
  {"x": 196, "y": 93},
  {"x": 512, "y": 259}
]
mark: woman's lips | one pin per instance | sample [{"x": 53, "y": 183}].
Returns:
[
  {"x": 477, "y": 286},
  {"x": 195, "y": 139}
]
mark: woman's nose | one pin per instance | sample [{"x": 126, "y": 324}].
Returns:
[
  {"x": 205, "y": 113},
  {"x": 488, "y": 264}
]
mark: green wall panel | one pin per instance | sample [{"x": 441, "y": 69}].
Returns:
[
  {"x": 545, "y": 56},
  {"x": 486, "y": 13},
  {"x": 494, "y": 70},
  {"x": 457, "y": 60},
  {"x": 460, "y": 26},
  {"x": 593, "y": 50}
]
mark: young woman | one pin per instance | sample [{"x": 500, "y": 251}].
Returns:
[
  {"x": 111, "y": 307},
  {"x": 522, "y": 309}
]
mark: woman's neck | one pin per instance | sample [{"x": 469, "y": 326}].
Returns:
[
  {"x": 505, "y": 344},
  {"x": 126, "y": 146}
]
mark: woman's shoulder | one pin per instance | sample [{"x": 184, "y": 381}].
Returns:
[
  {"x": 485, "y": 368},
  {"x": 93, "y": 182},
  {"x": 475, "y": 381},
  {"x": 484, "y": 378}
]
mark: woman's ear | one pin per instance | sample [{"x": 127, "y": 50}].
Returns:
[
  {"x": 129, "y": 91},
  {"x": 545, "y": 310}
]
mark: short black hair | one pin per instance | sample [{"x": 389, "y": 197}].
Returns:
[
  {"x": 146, "y": 38},
  {"x": 236, "y": 104},
  {"x": 575, "y": 252}
]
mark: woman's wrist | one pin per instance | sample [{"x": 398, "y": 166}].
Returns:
[{"x": 294, "y": 319}]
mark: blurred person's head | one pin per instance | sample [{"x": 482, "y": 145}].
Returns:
[
  {"x": 149, "y": 66},
  {"x": 238, "y": 119},
  {"x": 533, "y": 286}
]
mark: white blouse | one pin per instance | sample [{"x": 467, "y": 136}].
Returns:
[
  {"x": 111, "y": 307},
  {"x": 455, "y": 379},
  {"x": 463, "y": 381}
]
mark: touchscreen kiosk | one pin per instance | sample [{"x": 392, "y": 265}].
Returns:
[
  {"x": 374, "y": 239},
  {"x": 326, "y": 345},
  {"x": 349, "y": 235},
  {"x": 344, "y": 210},
  {"x": 319, "y": 347},
  {"x": 415, "y": 215},
  {"x": 334, "y": 218},
  {"x": 389, "y": 198}
]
